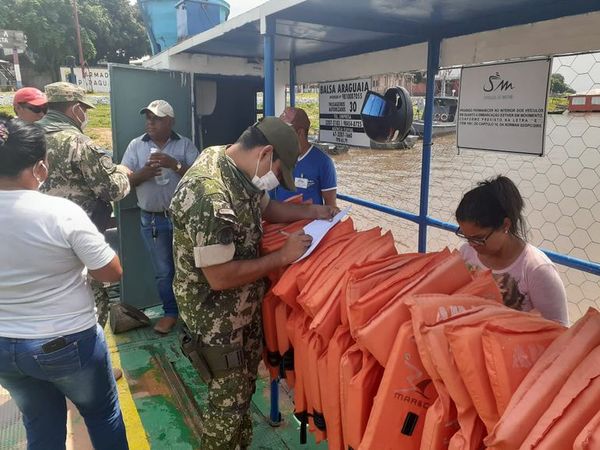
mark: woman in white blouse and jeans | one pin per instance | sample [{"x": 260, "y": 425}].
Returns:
[
  {"x": 490, "y": 218},
  {"x": 51, "y": 347}
]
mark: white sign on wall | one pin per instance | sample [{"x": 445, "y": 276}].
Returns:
[
  {"x": 11, "y": 39},
  {"x": 339, "y": 112},
  {"x": 502, "y": 107},
  {"x": 96, "y": 78}
]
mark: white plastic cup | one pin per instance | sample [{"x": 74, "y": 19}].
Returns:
[{"x": 162, "y": 178}]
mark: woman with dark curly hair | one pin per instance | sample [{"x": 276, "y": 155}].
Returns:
[
  {"x": 490, "y": 218},
  {"x": 51, "y": 347}
]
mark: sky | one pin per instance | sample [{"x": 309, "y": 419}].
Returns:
[{"x": 241, "y": 6}]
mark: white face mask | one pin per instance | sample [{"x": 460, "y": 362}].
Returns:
[
  {"x": 83, "y": 123},
  {"x": 39, "y": 179},
  {"x": 268, "y": 181}
]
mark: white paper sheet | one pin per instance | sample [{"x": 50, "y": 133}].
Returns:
[{"x": 319, "y": 228}]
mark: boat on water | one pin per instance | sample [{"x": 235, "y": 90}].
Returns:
[
  {"x": 336, "y": 149},
  {"x": 408, "y": 142},
  {"x": 330, "y": 148},
  {"x": 445, "y": 111}
]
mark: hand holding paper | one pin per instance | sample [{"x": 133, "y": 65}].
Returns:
[
  {"x": 296, "y": 244},
  {"x": 317, "y": 229},
  {"x": 326, "y": 212}
]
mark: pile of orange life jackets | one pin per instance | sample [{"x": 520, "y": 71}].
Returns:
[{"x": 413, "y": 351}]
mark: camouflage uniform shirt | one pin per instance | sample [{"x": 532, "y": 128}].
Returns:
[
  {"x": 216, "y": 218},
  {"x": 79, "y": 170}
]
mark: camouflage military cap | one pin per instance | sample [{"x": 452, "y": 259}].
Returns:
[
  {"x": 285, "y": 145},
  {"x": 61, "y": 92}
]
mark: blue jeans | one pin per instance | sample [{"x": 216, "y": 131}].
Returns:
[
  {"x": 80, "y": 371},
  {"x": 157, "y": 233}
]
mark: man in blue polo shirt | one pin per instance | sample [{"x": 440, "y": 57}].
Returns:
[
  {"x": 158, "y": 160},
  {"x": 314, "y": 174}
]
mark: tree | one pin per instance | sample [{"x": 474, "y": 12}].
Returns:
[
  {"x": 119, "y": 35},
  {"x": 111, "y": 30},
  {"x": 558, "y": 85}
]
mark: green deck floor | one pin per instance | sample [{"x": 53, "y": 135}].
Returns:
[
  {"x": 12, "y": 431},
  {"x": 168, "y": 393}
]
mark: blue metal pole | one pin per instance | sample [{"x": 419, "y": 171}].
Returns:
[
  {"x": 269, "y": 69},
  {"x": 292, "y": 82},
  {"x": 274, "y": 414},
  {"x": 269, "y": 110},
  {"x": 433, "y": 60}
]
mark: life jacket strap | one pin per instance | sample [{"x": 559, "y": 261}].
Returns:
[
  {"x": 319, "y": 420},
  {"x": 303, "y": 418},
  {"x": 288, "y": 359},
  {"x": 273, "y": 358}
]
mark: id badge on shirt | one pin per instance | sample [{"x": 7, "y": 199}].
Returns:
[{"x": 301, "y": 183}]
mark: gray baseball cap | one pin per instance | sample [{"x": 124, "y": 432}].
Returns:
[{"x": 160, "y": 108}]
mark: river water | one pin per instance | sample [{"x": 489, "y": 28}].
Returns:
[{"x": 561, "y": 191}]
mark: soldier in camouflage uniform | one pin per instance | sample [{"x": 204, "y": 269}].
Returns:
[
  {"x": 219, "y": 274},
  {"x": 79, "y": 169}
]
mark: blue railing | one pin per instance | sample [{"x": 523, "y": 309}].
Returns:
[{"x": 559, "y": 258}]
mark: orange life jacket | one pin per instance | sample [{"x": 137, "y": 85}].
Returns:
[
  {"x": 575, "y": 405},
  {"x": 544, "y": 381},
  {"x": 287, "y": 288},
  {"x": 360, "y": 375},
  {"x": 361, "y": 309},
  {"x": 314, "y": 350},
  {"x": 511, "y": 348},
  {"x": 284, "y": 346},
  {"x": 404, "y": 395},
  {"x": 271, "y": 354},
  {"x": 365, "y": 277},
  {"x": 315, "y": 293},
  {"x": 328, "y": 317},
  {"x": 483, "y": 285},
  {"x": 589, "y": 437},
  {"x": 472, "y": 431},
  {"x": 379, "y": 332},
  {"x": 297, "y": 331},
  {"x": 520, "y": 330},
  {"x": 323, "y": 380},
  {"x": 341, "y": 341},
  {"x": 318, "y": 286},
  {"x": 273, "y": 238},
  {"x": 427, "y": 309}
]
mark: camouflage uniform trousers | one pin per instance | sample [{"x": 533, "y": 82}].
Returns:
[
  {"x": 101, "y": 299},
  {"x": 226, "y": 420}
]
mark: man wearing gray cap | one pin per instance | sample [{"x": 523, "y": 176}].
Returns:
[
  {"x": 79, "y": 170},
  {"x": 219, "y": 283},
  {"x": 158, "y": 159}
]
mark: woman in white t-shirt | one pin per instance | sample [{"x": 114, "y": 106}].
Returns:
[
  {"x": 51, "y": 346},
  {"x": 490, "y": 218}
]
